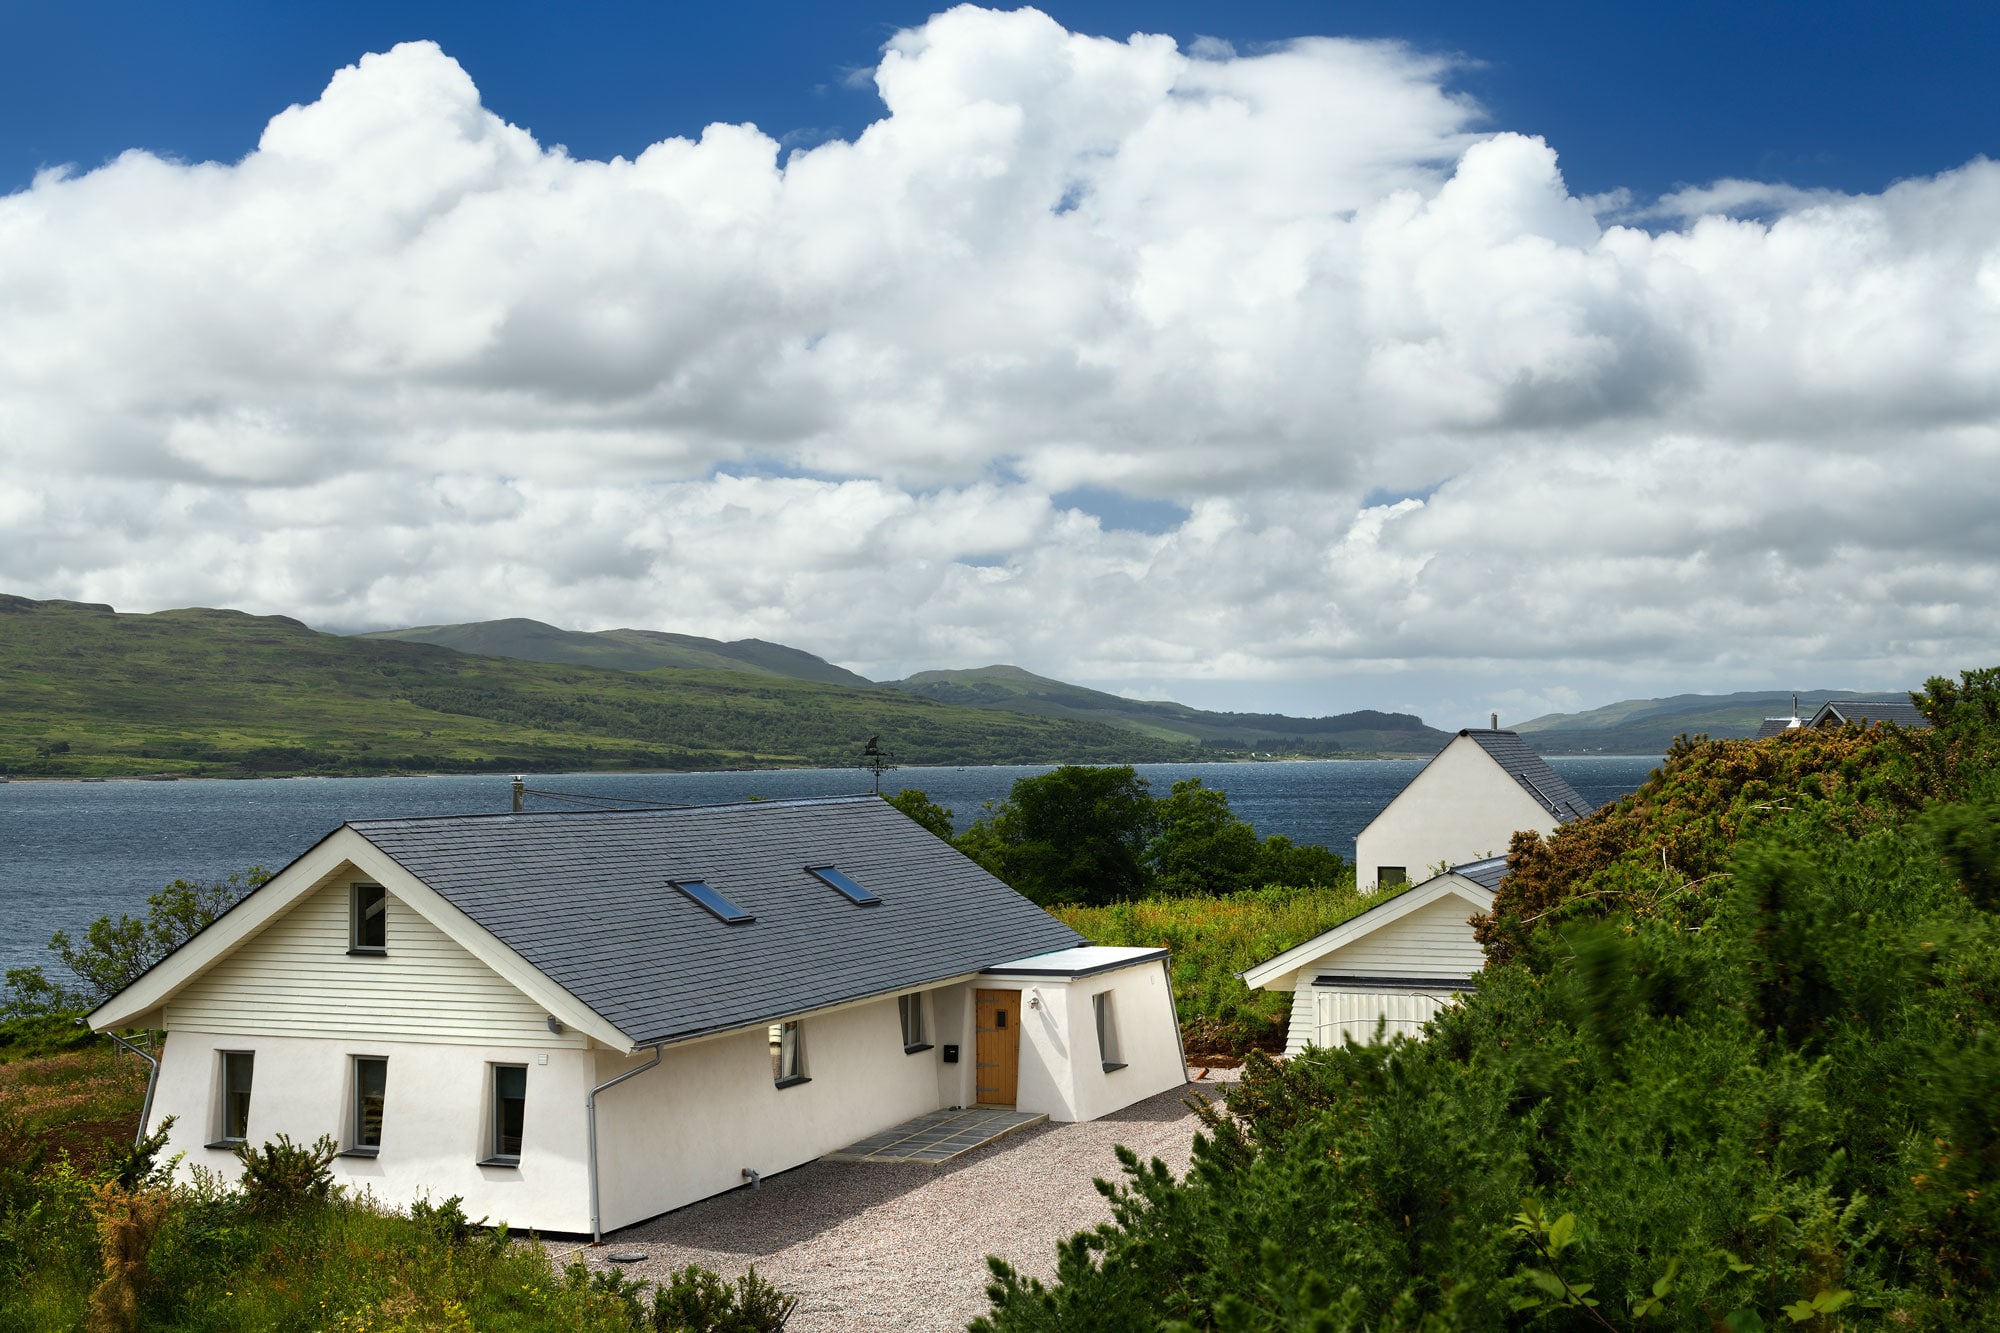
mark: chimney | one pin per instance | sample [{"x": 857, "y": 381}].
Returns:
[
  {"x": 520, "y": 792},
  {"x": 1496, "y": 721}
]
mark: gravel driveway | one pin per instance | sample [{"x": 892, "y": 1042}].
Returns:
[{"x": 868, "y": 1245}]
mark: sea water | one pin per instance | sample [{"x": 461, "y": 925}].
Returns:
[{"x": 73, "y": 851}]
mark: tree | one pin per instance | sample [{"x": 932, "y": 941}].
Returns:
[
  {"x": 113, "y": 954},
  {"x": 1072, "y": 835},
  {"x": 936, "y": 819},
  {"x": 1202, "y": 847},
  {"x": 1282, "y": 861}
]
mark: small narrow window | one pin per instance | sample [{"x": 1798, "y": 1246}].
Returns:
[
  {"x": 369, "y": 923},
  {"x": 718, "y": 906},
  {"x": 510, "y": 1107},
  {"x": 913, "y": 1023},
  {"x": 1388, "y": 877},
  {"x": 237, "y": 1067},
  {"x": 371, "y": 1081},
  {"x": 835, "y": 878},
  {"x": 788, "y": 1054},
  {"x": 1107, "y": 1031}
]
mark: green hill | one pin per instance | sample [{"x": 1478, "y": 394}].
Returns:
[
  {"x": 85, "y": 691},
  {"x": 626, "y": 650},
  {"x": 1015, "y": 690},
  {"x": 1648, "y": 726}
]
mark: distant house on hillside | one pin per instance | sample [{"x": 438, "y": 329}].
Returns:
[
  {"x": 576, "y": 1021},
  {"x": 1392, "y": 968},
  {"x": 1867, "y": 713},
  {"x": 1465, "y": 804}
]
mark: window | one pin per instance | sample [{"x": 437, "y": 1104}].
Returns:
[
  {"x": 788, "y": 1054},
  {"x": 368, "y": 924},
  {"x": 510, "y": 1106},
  {"x": 371, "y": 1079},
  {"x": 1388, "y": 877},
  {"x": 1107, "y": 1031},
  {"x": 913, "y": 1023},
  {"x": 236, "y": 1070},
  {"x": 718, "y": 906},
  {"x": 836, "y": 878}
]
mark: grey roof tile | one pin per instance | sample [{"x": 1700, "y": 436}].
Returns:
[
  {"x": 585, "y": 897},
  {"x": 1867, "y": 713},
  {"x": 1533, "y": 773},
  {"x": 1486, "y": 873}
]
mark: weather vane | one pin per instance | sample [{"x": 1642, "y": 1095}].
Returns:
[{"x": 876, "y": 760}]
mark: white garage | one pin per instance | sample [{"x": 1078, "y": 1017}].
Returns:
[{"x": 1390, "y": 969}]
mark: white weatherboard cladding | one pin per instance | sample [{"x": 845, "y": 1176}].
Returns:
[
  {"x": 1463, "y": 806},
  {"x": 296, "y": 978},
  {"x": 435, "y": 1118},
  {"x": 1433, "y": 941}
]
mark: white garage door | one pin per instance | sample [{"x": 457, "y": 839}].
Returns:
[{"x": 1351, "y": 1013}]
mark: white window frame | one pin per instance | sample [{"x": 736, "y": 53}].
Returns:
[
  {"x": 916, "y": 1031},
  {"x": 223, "y": 1138},
  {"x": 355, "y": 893},
  {"x": 356, "y": 1117},
  {"x": 788, "y": 1057},
  {"x": 495, "y": 1157},
  {"x": 1106, "y": 1013}
]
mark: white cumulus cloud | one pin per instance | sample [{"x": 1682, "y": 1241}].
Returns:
[{"x": 403, "y": 363}]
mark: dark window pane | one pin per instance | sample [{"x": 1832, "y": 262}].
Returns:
[
  {"x": 840, "y": 880},
  {"x": 371, "y": 1078},
  {"x": 510, "y": 1104},
  {"x": 720, "y": 906},
  {"x": 236, "y": 1070},
  {"x": 371, "y": 916}
]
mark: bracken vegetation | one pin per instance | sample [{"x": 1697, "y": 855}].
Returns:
[{"x": 1732, "y": 1068}]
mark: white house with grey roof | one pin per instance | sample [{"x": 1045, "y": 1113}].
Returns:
[
  {"x": 1387, "y": 970},
  {"x": 577, "y": 1021},
  {"x": 1464, "y": 805}
]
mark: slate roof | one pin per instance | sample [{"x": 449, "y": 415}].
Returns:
[
  {"x": 1863, "y": 713},
  {"x": 586, "y": 898},
  {"x": 1532, "y": 771},
  {"x": 1487, "y": 873},
  {"x": 1776, "y": 726}
]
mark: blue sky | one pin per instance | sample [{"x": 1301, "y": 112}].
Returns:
[
  {"x": 1646, "y": 97},
  {"x": 1451, "y": 358}
]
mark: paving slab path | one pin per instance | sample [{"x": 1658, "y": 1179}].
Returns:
[{"x": 882, "y": 1245}]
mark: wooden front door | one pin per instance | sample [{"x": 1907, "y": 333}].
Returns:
[{"x": 998, "y": 1051}]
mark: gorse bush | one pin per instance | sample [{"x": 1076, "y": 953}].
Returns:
[
  {"x": 1754, "y": 1093},
  {"x": 283, "y": 1176}
]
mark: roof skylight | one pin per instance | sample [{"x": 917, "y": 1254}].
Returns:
[
  {"x": 718, "y": 906},
  {"x": 839, "y": 879}
]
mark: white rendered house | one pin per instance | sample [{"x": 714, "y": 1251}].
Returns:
[
  {"x": 1389, "y": 969},
  {"x": 1464, "y": 805},
  {"x": 577, "y": 1021}
]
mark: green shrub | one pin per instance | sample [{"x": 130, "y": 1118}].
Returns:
[
  {"x": 695, "y": 1300},
  {"x": 283, "y": 1176},
  {"x": 1755, "y": 1097}
]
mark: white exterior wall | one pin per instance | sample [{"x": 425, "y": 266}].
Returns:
[
  {"x": 688, "y": 1129},
  {"x": 435, "y": 1118},
  {"x": 1460, "y": 808},
  {"x": 1062, "y": 1074}
]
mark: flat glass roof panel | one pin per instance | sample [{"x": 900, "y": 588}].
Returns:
[
  {"x": 719, "y": 906},
  {"x": 839, "y": 879}
]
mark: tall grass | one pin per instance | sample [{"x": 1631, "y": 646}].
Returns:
[{"x": 1214, "y": 938}]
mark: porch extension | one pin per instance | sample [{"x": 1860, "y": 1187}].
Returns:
[{"x": 938, "y": 1136}]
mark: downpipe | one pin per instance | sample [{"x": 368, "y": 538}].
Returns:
[
  {"x": 590, "y": 1119},
  {"x": 152, "y": 1082}
]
